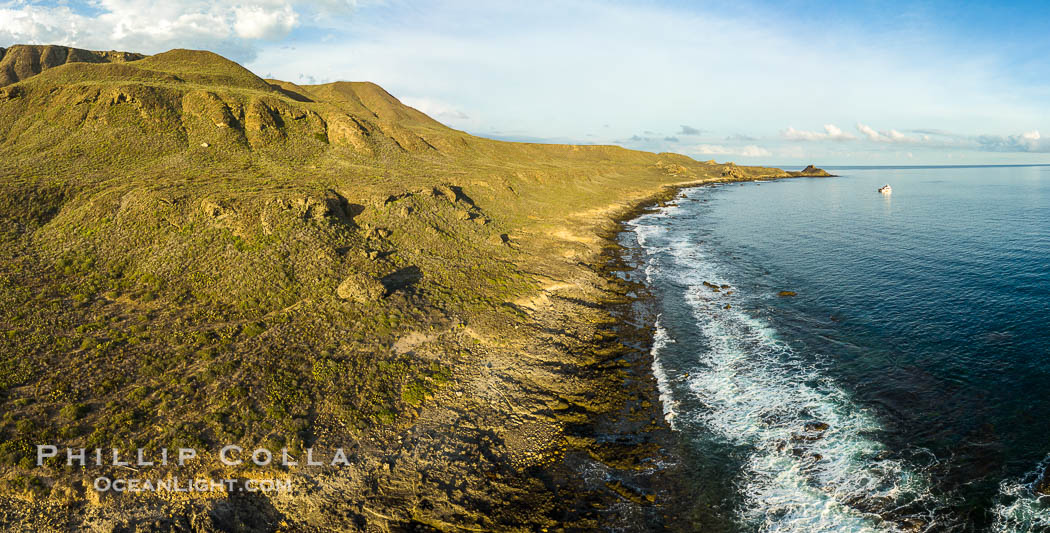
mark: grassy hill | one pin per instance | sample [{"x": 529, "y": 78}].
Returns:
[{"x": 191, "y": 255}]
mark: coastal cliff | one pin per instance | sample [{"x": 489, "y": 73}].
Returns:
[
  {"x": 193, "y": 256},
  {"x": 810, "y": 172}
]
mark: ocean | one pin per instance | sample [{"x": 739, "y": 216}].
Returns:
[{"x": 902, "y": 382}]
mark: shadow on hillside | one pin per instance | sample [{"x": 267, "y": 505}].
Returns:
[
  {"x": 245, "y": 511},
  {"x": 462, "y": 196},
  {"x": 298, "y": 97},
  {"x": 401, "y": 279}
]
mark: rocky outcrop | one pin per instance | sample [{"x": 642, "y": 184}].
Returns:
[
  {"x": 731, "y": 171},
  {"x": 361, "y": 288},
  {"x": 811, "y": 172},
  {"x": 25, "y": 61}
]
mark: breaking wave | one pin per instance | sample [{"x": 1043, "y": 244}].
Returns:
[
  {"x": 813, "y": 462},
  {"x": 1020, "y": 509}
]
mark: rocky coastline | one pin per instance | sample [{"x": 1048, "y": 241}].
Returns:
[{"x": 323, "y": 268}]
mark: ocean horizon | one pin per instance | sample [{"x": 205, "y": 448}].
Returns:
[{"x": 910, "y": 167}]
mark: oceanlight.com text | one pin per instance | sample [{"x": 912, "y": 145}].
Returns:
[{"x": 174, "y": 484}]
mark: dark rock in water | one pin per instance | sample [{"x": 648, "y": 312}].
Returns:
[
  {"x": 1042, "y": 485},
  {"x": 913, "y": 524},
  {"x": 630, "y": 493},
  {"x": 816, "y": 426},
  {"x": 725, "y": 286},
  {"x": 806, "y": 437},
  {"x": 783, "y": 294},
  {"x": 812, "y": 431},
  {"x": 728, "y": 306},
  {"x": 713, "y": 286}
]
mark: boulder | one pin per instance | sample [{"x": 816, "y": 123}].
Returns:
[
  {"x": 361, "y": 288},
  {"x": 731, "y": 171},
  {"x": 1042, "y": 485},
  {"x": 448, "y": 192},
  {"x": 816, "y": 426}
]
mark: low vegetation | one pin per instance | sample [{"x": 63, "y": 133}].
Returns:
[{"x": 192, "y": 255}]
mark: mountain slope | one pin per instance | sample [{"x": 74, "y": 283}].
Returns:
[
  {"x": 20, "y": 62},
  {"x": 193, "y": 256}
]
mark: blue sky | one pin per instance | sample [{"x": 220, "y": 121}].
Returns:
[{"x": 784, "y": 83}]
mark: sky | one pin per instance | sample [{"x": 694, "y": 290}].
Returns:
[{"x": 757, "y": 82}]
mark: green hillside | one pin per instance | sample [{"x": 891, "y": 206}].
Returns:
[{"x": 193, "y": 256}]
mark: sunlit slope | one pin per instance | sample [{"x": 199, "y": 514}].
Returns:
[
  {"x": 176, "y": 220},
  {"x": 20, "y": 61}
]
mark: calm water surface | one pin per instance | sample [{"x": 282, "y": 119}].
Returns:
[{"x": 904, "y": 387}]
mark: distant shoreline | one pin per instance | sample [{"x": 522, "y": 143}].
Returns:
[{"x": 920, "y": 167}]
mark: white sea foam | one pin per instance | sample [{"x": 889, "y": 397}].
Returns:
[
  {"x": 661, "y": 338},
  {"x": 1019, "y": 509},
  {"x": 759, "y": 395},
  {"x": 660, "y": 341},
  {"x": 796, "y": 479}
]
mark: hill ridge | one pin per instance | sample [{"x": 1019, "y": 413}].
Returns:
[{"x": 20, "y": 61}]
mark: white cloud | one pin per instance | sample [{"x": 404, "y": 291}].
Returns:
[
  {"x": 1026, "y": 142},
  {"x": 889, "y": 136},
  {"x": 230, "y": 29},
  {"x": 1030, "y": 141},
  {"x": 718, "y": 149},
  {"x": 831, "y": 133},
  {"x": 256, "y": 22}
]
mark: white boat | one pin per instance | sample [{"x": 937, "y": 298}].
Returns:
[{"x": 885, "y": 189}]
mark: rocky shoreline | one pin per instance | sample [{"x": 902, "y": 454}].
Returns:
[
  {"x": 675, "y": 508},
  {"x": 556, "y": 427},
  {"x": 351, "y": 275}
]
